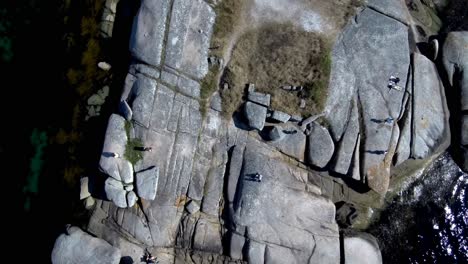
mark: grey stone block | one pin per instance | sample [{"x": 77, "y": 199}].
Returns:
[
  {"x": 131, "y": 199},
  {"x": 234, "y": 172},
  {"x": 169, "y": 78},
  {"x": 255, "y": 114},
  {"x": 173, "y": 120},
  {"x": 147, "y": 183},
  {"x": 294, "y": 142},
  {"x": 280, "y": 116},
  {"x": 192, "y": 207},
  {"x": 189, "y": 87},
  {"x": 320, "y": 146},
  {"x": 201, "y": 167},
  {"x": 215, "y": 181},
  {"x": 236, "y": 245},
  {"x": 144, "y": 69},
  {"x": 190, "y": 121},
  {"x": 345, "y": 148},
  {"x": 259, "y": 98},
  {"x": 115, "y": 192},
  {"x": 255, "y": 252},
  {"x": 126, "y": 171},
  {"x": 295, "y": 118}
]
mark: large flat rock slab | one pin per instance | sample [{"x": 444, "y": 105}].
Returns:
[
  {"x": 189, "y": 37},
  {"x": 146, "y": 41},
  {"x": 280, "y": 211},
  {"x": 353, "y": 71},
  {"x": 431, "y": 130}
]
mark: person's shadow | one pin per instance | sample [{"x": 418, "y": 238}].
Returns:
[
  {"x": 126, "y": 260},
  {"x": 377, "y": 152},
  {"x": 378, "y": 121},
  {"x": 108, "y": 154}
]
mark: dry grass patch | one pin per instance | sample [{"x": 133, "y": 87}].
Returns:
[
  {"x": 228, "y": 13},
  {"x": 276, "y": 55}
]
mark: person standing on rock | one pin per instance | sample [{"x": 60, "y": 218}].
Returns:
[
  {"x": 149, "y": 258},
  {"x": 389, "y": 120},
  {"x": 257, "y": 177},
  {"x": 148, "y": 149},
  {"x": 393, "y": 83}
]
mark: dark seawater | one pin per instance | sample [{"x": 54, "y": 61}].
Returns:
[{"x": 428, "y": 223}]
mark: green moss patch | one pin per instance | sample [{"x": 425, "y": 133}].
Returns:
[{"x": 131, "y": 153}]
